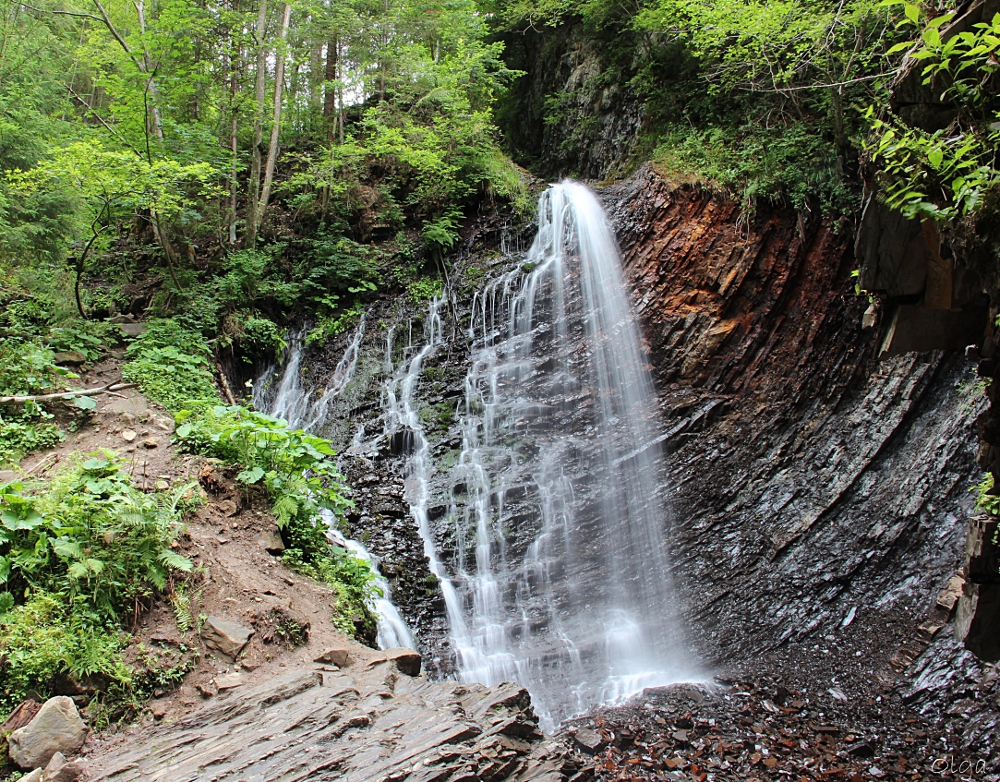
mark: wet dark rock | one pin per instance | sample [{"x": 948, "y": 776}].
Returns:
[{"x": 370, "y": 724}]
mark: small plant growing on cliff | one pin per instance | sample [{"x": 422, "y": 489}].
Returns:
[{"x": 985, "y": 499}]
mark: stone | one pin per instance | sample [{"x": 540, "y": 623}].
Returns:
[
  {"x": 61, "y": 770},
  {"x": 132, "y": 329},
  {"x": 259, "y": 730},
  {"x": 406, "y": 660},
  {"x": 69, "y": 358},
  {"x": 228, "y": 681},
  {"x": 56, "y": 728},
  {"x": 34, "y": 776},
  {"x": 162, "y": 485},
  {"x": 271, "y": 541},
  {"x": 228, "y": 508},
  {"x": 208, "y": 690},
  {"x": 129, "y": 435},
  {"x": 339, "y": 657},
  {"x": 150, "y": 442},
  {"x": 589, "y": 741},
  {"x": 227, "y": 638}
]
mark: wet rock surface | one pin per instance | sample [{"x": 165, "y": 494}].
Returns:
[
  {"x": 820, "y": 495},
  {"x": 370, "y": 722}
]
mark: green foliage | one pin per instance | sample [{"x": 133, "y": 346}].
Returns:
[
  {"x": 332, "y": 325},
  {"x": 986, "y": 499},
  {"x": 171, "y": 365},
  {"x": 27, "y": 368},
  {"x": 946, "y": 174},
  {"x": 298, "y": 473},
  {"x": 76, "y": 557},
  {"x": 423, "y": 289},
  {"x": 42, "y": 638},
  {"x": 754, "y": 162},
  {"x": 89, "y": 337},
  {"x": 91, "y": 537}
]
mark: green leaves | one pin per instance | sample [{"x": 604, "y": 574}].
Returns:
[
  {"x": 90, "y": 536},
  {"x": 251, "y": 476}
]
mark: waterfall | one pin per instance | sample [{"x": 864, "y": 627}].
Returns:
[
  {"x": 293, "y": 402},
  {"x": 290, "y": 399},
  {"x": 560, "y": 580}
]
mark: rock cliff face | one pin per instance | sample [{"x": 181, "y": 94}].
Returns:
[{"x": 820, "y": 494}]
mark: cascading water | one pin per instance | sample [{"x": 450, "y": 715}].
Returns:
[
  {"x": 553, "y": 522},
  {"x": 289, "y": 399},
  {"x": 560, "y": 579},
  {"x": 292, "y": 401}
]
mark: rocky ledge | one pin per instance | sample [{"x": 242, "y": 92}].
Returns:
[{"x": 368, "y": 721}]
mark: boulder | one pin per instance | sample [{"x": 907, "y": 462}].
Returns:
[
  {"x": 225, "y": 637},
  {"x": 406, "y": 660},
  {"x": 56, "y": 728},
  {"x": 339, "y": 657},
  {"x": 34, "y": 776}
]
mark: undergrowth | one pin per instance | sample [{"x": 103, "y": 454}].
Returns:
[
  {"x": 298, "y": 474},
  {"x": 80, "y": 558},
  {"x": 172, "y": 366}
]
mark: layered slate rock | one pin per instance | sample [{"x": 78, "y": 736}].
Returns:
[
  {"x": 820, "y": 494},
  {"x": 366, "y": 723}
]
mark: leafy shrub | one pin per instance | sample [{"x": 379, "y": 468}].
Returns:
[
  {"x": 91, "y": 537},
  {"x": 89, "y": 337},
  {"x": 76, "y": 556},
  {"x": 44, "y": 638},
  {"x": 299, "y": 475},
  {"x": 26, "y": 368},
  {"x": 171, "y": 365}
]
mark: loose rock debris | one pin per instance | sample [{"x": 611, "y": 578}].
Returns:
[{"x": 762, "y": 731}]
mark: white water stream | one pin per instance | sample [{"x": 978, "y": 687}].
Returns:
[
  {"x": 306, "y": 409},
  {"x": 558, "y": 576}
]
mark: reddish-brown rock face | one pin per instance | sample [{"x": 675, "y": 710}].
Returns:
[
  {"x": 820, "y": 496},
  {"x": 737, "y": 307}
]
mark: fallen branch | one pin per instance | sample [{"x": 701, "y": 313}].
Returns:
[
  {"x": 108, "y": 389},
  {"x": 225, "y": 386}
]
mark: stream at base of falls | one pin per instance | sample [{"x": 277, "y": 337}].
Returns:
[{"x": 548, "y": 533}]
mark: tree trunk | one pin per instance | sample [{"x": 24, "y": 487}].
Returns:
[
  {"x": 315, "y": 83},
  {"x": 253, "y": 187},
  {"x": 330, "y": 98},
  {"x": 233, "y": 145},
  {"x": 279, "y": 82}
]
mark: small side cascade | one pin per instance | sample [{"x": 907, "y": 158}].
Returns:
[
  {"x": 402, "y": 425},
  {"x": 393, "y": 631},
  {"x": 291, "y": 401}
]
